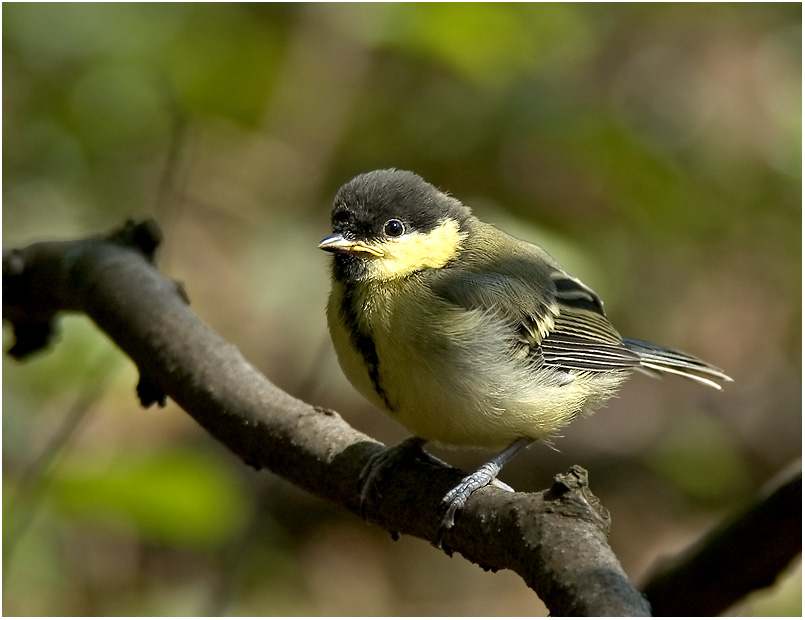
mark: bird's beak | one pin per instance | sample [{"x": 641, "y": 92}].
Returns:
[{"x": 338, "y": 244}]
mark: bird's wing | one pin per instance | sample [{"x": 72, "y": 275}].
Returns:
[
  {"x": 528, "y": 305},
  {"x": 583, "y": 338},
  {"x": 560, "y": 319}
]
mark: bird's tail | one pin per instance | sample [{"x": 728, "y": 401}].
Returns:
[{"x": 658, "y": 359}]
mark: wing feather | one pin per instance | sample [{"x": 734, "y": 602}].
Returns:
[
  {"x": 557, "y": 322},
  {"x": 558, "y": 318}
]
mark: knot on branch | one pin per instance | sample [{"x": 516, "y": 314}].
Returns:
[
  {"x": 38, "y": 280},
  {"x": 570, "y": 494},
  {"x": 144, "y": 236}
]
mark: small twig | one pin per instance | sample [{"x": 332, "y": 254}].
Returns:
[{"x": 34, "y": 478}]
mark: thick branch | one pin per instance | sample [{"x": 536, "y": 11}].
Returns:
[
  {"x": 741, "y": 555},
  {"x": 556, "y": 540}
]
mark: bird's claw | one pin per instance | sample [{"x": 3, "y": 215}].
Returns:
[
  {"x": 457, "y": 497},
  {"x": 378, "y": 463},
  {"x": 411, "y": 448}
]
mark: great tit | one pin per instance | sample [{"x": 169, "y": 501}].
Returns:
[{"x": 464, "y": 334}]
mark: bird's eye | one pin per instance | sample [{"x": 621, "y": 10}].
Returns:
[{"x": 393, "y": 228}]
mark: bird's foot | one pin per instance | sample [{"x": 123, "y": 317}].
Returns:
[
  {"x": 484, "y": 475},
  {"x": 378, "y": 464},
  {"x": 458, "y": 496}
]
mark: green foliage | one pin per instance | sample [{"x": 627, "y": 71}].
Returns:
[{"x": 174, "y": 497}]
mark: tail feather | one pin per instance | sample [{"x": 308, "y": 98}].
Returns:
[{"x": 659, "y": 359}]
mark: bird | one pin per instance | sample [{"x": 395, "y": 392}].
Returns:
[{"x": 466, "y": 335}]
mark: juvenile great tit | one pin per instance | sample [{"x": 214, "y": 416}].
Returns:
[{"x": 464, "y": 334}]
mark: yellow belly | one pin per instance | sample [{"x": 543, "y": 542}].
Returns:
[{"x": 448, "y": 375}]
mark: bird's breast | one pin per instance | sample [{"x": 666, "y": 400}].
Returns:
[{"x": 448, "y": 374}]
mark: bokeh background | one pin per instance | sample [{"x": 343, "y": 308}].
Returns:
[{"x": 655, "y": 150}]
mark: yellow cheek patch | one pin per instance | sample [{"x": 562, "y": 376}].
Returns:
[{"x": 413, "y": 252}]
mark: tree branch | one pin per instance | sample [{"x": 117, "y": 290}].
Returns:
[
  {"x": 555, "y": 540},
  {"x": 739, "y": 556}
]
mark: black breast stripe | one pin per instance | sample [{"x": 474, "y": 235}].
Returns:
[{"x": 363, "y": 343}]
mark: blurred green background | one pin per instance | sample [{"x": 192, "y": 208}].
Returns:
[{"x": 655, "y": 150}]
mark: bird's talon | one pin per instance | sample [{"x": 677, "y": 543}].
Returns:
[
  {"x": 378, "y": 463},
  {"x": 501, "y": 485}
]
